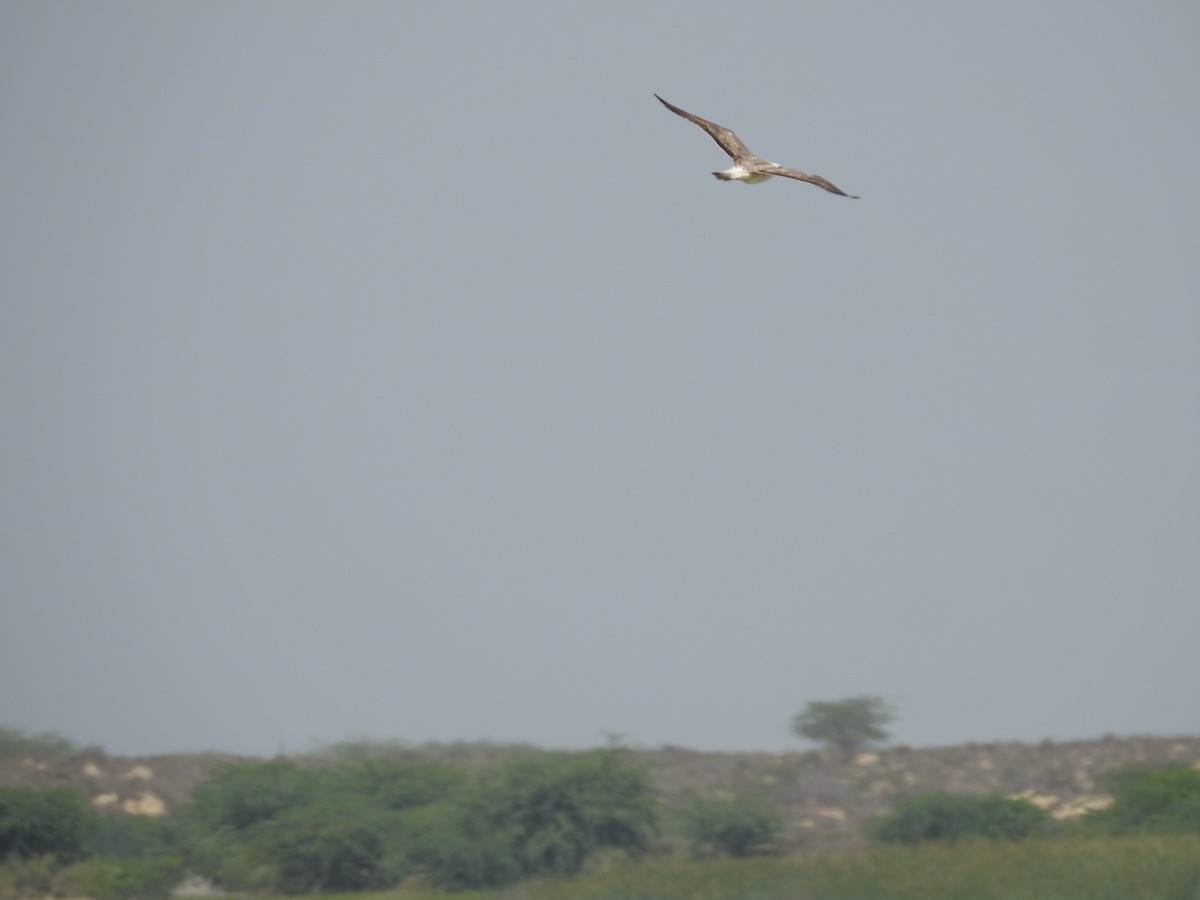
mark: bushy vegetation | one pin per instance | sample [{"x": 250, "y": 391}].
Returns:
[
  {"x": 282, "y": 827},
  {"x": 398, "y": 785},
  {"x": 1151, "y": 799},
  {"x": 736, "y": 826},
  {"x": 240, "y": 796},
  {"x": 539, "y": 815},
  {"x": 52, "y": 821},
  {"x": 332, "y": 844},
  {"x": 568, "y": 825},
  {"x": 105, "y": 878},
  {"x": 941, "y": 817},
  {"x": 32, "y": 877},
  {"x": 53, "y": 844},
  {"x": 122, "y": 836}
]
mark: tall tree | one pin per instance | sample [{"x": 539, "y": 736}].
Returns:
[{"x": 845, "y": 725}]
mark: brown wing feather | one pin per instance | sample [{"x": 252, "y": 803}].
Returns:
[
  {"x": 804, "y": 176},
  {"x": 726, "y": 139}
]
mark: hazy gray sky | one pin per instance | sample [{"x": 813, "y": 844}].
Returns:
[{"x": 398, "y": 369}]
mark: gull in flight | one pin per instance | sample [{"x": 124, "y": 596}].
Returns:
[{"x": 747, "y": 167}]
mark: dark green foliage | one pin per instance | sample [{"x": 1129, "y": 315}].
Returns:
[
  {"x": 1158, "y": 799},
  {"x": 602, "y": 794},
  {"x": 564, "y": 807},
  {"x": 105, "y": 878},
  {"x": 279, "y": 826},
  {"x": 458, "y": 850},
  {"x": 397, "y": 785},
  {"x": 228, "y": 809},
  {"x": 333, "y": 845},
  {"x": 240, "y": 796},
  {"x": 845, "y": 725},
  {"x": 47, "y": 821},
  {"x": 231, "y": 862},
  {"x": 368, "y": 823},
  {"x": 131, "y": 837},
  {"x": 538, "y": 815},
  {"x": 940, "y": 817},
  {"x": 122, "y": 856},
  {"x": 129, "y": 856},
  {"x": 738, "y": 826}
]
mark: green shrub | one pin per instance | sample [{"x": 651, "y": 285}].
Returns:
[
  {"x": 132, "y": 837},
  {"x": 457, "y": 850},
  {"x": 1151, "y": 799},
  {"x": 278, "y": 827},
  {"x": 397, "y": 785},
  {"x": 33, "y": 876},
  {"x": 228, "y": 807},
  {"x": 231, "y": 862},
  {"x": 239, "y": 796},
  {"x": 336, "y": 845},
  {"x": 538, "y": 815},
  {"x": 736, "y": 826},
  {"x": 34, "y": 822},
  {"x": 939, "y": 817},
  {"x": 105, "y": 878},
  {"x": 564, "y": 807}
]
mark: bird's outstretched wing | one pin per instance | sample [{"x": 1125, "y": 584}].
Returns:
[
  {"x": 820, "y": 182},
  {"x": 726, "y": 139},
  {"x": 740, "y": 153}
]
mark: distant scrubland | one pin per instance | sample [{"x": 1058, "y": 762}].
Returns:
[{"x": 368, "y": 815}]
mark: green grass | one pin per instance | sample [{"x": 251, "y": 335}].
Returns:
[{"x": 1127, "y": 868}]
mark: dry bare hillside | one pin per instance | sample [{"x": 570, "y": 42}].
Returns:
[{"x": 826, "y": 796}]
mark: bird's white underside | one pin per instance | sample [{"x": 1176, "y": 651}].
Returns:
[{"x": 742, "y": 174}]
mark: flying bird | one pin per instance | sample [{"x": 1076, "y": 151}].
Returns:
[{"x": 747, "y": 167}]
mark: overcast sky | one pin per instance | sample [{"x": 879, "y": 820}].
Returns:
[{"x": 399, "y": 370}]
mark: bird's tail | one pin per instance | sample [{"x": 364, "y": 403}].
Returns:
[{"x": 722, "y": 176}]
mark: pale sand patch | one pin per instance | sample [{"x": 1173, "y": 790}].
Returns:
[
  {"x": 1082, "y": 805},
  {"x": 104, "y": 801},
  {"x": 145, "y": 804},
  {"x": 1041, "y": 801}
]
